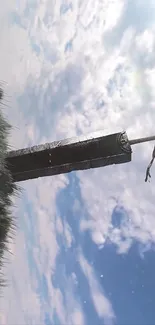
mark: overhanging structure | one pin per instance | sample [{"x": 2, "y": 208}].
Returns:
[{"x": 84, "y": 152}]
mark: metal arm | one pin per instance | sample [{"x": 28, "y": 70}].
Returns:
[{"x": 140, "y": 140}]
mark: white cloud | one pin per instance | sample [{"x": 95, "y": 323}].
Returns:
[
  {"x": 59, "y": 225},
  {"x": 131, "y": 192},
  {"x": 68, "y": 235},
  {"x": 42, "y": 194},
  {"x": 101, "y": 303},
  {"x": 68, "y": 314},
  {"x": 124, "y": 79},
  {"x": 22, "y": 302},
  {"x": 101, "y": 83},
  {"x": 18, "y": 61},
  {"x": 113, "y": 13},
  {"x": 59, "y": 306},
  {"x": 37, "y": 233},
  {"x": 74, "y": 278},
  {"x": 77, "y": 317}
]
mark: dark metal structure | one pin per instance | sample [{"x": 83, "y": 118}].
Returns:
[
  {"x": 67, "y": 155},
  {"x": 84, "y": 152}
]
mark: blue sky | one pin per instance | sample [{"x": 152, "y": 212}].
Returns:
[{"x": 84, "y": 251}]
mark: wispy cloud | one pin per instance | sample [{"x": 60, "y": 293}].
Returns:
[
  {"x": 102, "y": 304},
  {"x": 105, "y": 81}
]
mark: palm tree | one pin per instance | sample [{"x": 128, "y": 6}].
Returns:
[{"x": 7, "y": 189}]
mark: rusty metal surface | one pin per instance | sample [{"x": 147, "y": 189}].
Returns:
[{"x": 95, "y": 150}]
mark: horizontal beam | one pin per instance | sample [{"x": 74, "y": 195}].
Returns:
[
  {"x": 141, "y": 140},
  {"x": 79, "y": 153}
]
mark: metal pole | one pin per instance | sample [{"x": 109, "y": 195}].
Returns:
[
  {"x": 79, "y": 153},
  {"x": 140, "y": 140},
  {"x": 64, "y": 156}
]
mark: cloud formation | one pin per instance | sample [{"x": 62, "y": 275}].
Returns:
[
  {"x": 76, "y": 68},
  {"x": 101, "y": 303}
]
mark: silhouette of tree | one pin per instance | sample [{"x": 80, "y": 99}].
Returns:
[{"x": 7, "y": 190}]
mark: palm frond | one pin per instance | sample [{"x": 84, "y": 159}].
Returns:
[{"x": 7, "y": 190}]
